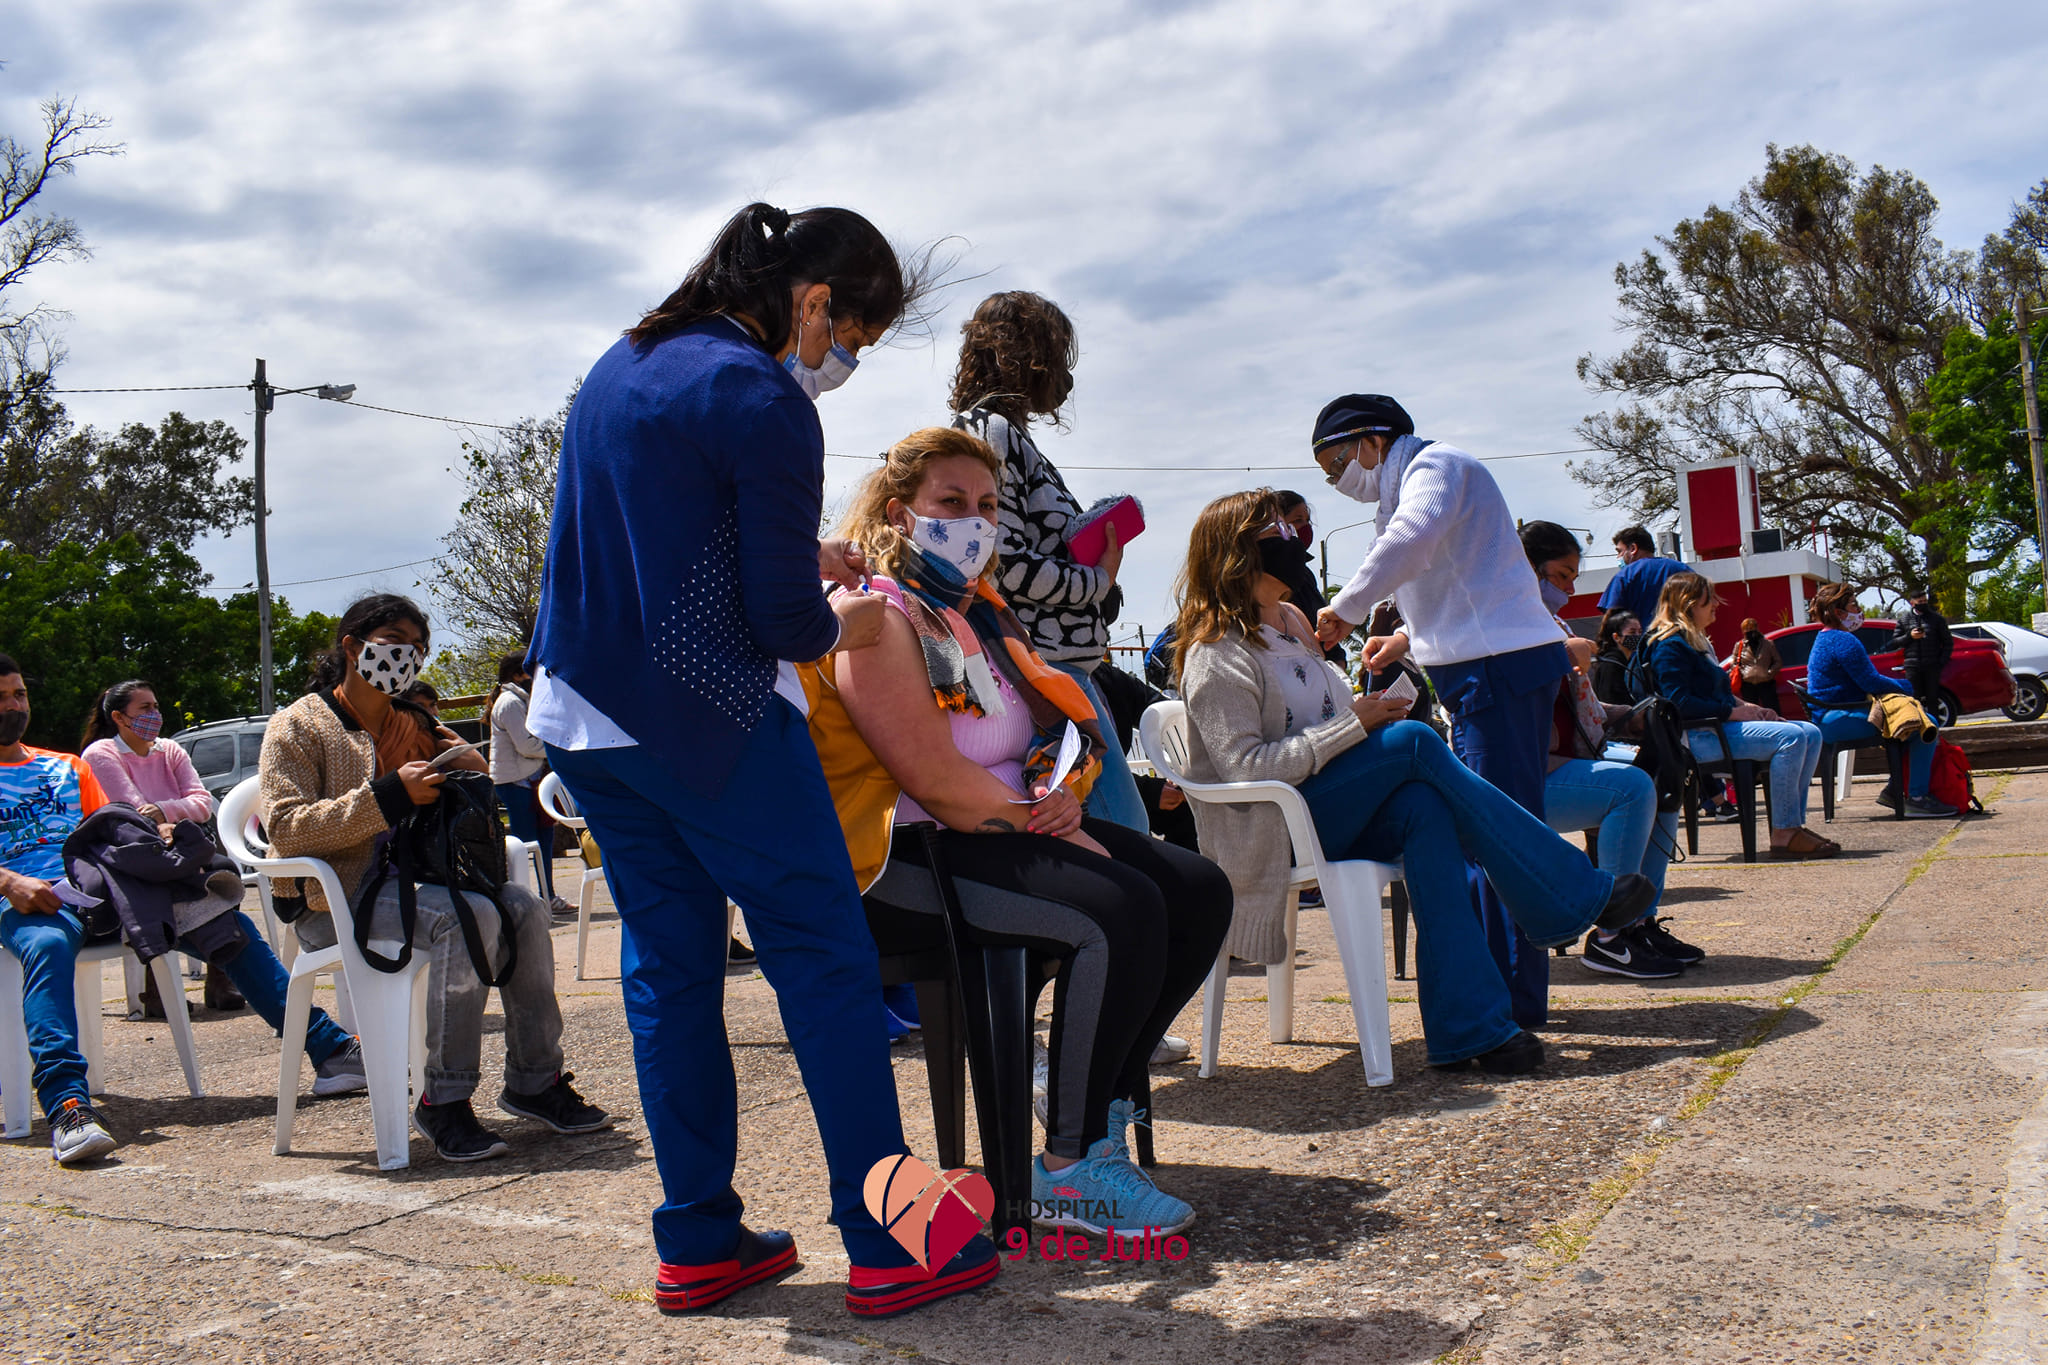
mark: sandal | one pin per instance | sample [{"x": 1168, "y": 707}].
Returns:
[{"x": 1805, "y": 845}]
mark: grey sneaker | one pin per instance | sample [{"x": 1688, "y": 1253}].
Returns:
[
  {"x": 342, "y": 1072},
  {"x": 1928, "y": 808},
  {"x": 1171, "y": 1050},
  {"x": 76, "y": 1134}
]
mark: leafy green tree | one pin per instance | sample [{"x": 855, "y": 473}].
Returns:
[
  {"x": 80, "y": 618},
  {"x": 1803, "y": 326},
  {"x": 487, "y": 582},
  {"x": 160, "y": 483}
]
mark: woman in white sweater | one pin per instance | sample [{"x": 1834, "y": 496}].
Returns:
[
  {"x": 1447, "y": 552},
  {"x": 1263, "y": 704},
  {"x": 518, "y": 758}
]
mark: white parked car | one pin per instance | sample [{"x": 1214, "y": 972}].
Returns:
[{"x": 2026, "y": 654}]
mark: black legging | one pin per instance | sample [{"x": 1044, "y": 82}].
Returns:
[{"x": 1128, "y": 962}]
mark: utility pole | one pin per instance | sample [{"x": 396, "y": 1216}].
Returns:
[
  {"x": 265, "y": 398},
  {"x": 2024, "y": 315}
]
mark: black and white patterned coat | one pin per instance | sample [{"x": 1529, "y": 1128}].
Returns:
[{"x": 1059, "y": 601}]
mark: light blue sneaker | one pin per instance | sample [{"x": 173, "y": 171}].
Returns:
[
  {"x": 1122, "y": 1114},
  {"x": 1105, "y": 1192}
]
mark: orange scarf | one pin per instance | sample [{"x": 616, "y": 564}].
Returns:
[{"x": 406, "y": 738}]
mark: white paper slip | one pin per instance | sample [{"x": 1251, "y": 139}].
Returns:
[
  {"x": 1070, "y": 754},
  {"x": 71, "y": 895},
  {"x": 1402, "y": 687}
]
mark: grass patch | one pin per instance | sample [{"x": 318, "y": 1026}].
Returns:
[{"x": 627, "y": 1295}]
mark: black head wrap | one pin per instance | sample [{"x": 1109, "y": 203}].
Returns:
[{"x": 1360, "y": 414}]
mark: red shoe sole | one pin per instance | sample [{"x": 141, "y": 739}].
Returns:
[
  {"x": 680, "y": 1300},
  {"x": 912, "y": 1296}
]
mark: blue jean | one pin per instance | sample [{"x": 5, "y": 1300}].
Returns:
[
  {"x": 522, "y": 812},
  {"x": 1792, "y": 747},
  {"x": 1854, "y": 727},
  {"x": 1500, "y": 712},
  {"x": 771, "y": 841},
  {"x": 1115, "y": 797},
  {"x": 1399, "y": 794},
  {"x": 48, "y": 948},
  {"x": 1620, "y": 801}
]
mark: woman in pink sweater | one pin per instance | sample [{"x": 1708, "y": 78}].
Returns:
[{"x": 157, "y": 778}]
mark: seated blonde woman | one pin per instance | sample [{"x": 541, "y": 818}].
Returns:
[
  {"x": 1264, "y": 705},
  {"x": 953, "y": 718}
]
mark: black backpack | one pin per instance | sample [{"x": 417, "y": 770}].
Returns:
[
  {"x": 458, "y": 843},
  {"x": 1661, "y": 750}
]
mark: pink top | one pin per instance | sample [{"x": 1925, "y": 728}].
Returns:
[
  {"x": 163, "y": 778},
  {"x": 997, "y": 743}
]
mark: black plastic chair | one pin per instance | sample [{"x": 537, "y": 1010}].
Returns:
[
  {"x": 1743, "y": 773},
  {"x": 1896, "y": 761},
  {"x": 985, "y": 998}
]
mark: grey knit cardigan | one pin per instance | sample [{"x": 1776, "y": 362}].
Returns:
[{"x": 1237, "y": 732}]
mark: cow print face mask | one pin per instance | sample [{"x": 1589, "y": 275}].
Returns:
[{"x": 388, "y": 668}]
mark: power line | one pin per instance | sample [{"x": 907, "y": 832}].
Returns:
[
  {"x": 1245, "y": 468},
  {"x": 154, "y": 388},
  {"x": 334, "y": 578},
  {"x": 428, "y": 416}
]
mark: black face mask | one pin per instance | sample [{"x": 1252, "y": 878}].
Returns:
[
  {"x": 12, "y": 726},
  {"x": 1282, "y": 558}
]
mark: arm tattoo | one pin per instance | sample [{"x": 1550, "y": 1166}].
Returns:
[{"x": 995, "y": 825}]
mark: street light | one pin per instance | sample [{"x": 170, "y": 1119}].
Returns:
[
  {"x": 266, "y": 398},
  {"x": 1325, "y": 538}
]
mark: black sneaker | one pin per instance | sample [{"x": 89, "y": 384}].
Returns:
[
  {"x": 455, "y": 1133},
  {"x": 1633, "y": 894},
  {"x": 1889, "y": 798},
  {"x": 736, "y": 951},
  {"x": 1518, "y": 1056},
  {"x": 76, "y": 1134},
  {"x": 1666, "y": 944},
  {"x": 558, "y": 1106},
  {"x": 1726, "y": 813},
  {"x": 1927, "y": 808},
  {"x": 1626, "y": 954}
]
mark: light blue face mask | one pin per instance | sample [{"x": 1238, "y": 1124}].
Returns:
[{"x": 838, "y": 365}]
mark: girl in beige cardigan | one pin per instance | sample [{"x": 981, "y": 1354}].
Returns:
[{"x": 1264, "y": 705}]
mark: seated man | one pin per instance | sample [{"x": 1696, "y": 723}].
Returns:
[
  {"x": 44, "y": 796},
  {"x": 342, "y": 766}
]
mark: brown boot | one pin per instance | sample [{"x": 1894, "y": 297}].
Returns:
[
  {"x": 152, "y": 1001},
  {"x": 220, "y": 992}
]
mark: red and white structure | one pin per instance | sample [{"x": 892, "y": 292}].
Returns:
[{"x": 1722, "y": 537}]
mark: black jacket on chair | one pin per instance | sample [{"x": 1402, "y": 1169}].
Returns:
[{"x": 117, "y": 855}]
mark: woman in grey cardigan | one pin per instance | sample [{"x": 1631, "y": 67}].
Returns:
[{"x": 1264, "y": 705}]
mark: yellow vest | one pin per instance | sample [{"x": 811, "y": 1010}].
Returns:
[{"x": 863, "y": 793}]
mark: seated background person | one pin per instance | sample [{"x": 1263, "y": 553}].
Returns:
[
  {"x": 44, "y": 796},
  {"x": 1680, "y": 663},
  {"x": 1620, "y": 633},
  {"x": 954, "y": 710},
  {"x": 1842, "y": 681},
  {"x": 157, "y": 778},
  {"x": 1611, "y": 795},
  {"x": 343, "y": 765},
  {"x": 1264, "y": 704}
]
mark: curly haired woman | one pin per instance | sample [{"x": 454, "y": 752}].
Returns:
[{"x": 1017, "y": 356}]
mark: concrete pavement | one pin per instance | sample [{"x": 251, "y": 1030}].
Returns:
[{"x": 1823, "y": 1144}]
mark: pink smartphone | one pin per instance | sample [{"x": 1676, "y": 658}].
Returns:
[{"x": 1088, "y": 544}]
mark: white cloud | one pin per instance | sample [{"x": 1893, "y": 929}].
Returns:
[{"x": 1246, "y": 208}]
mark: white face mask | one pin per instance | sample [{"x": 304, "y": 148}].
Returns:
[
  {"x": 966, "y": 544},
  {"x": 1852, "y": 621},
  {"x": 1357, "y": 482},
  {"x": 836, "y": 368},
  {"x": 388, "y": 668}
]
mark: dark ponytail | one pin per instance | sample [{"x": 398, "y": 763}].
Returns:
[
  {"x": 378, "y": 609},
  {"x": 762, "y": 253},
  {"x": 511, "y": 668},
  {"x": 100, "y": 724}
]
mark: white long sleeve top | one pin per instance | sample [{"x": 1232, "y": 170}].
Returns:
[{"x": 1448, "y": 553}]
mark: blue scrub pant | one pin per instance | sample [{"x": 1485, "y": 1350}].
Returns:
[
  {"x": 1500, "y": 709},
  {"x": 771, "y": 842}
]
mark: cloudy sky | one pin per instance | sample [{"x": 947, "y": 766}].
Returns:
[{"x": 1246, "y": 208}]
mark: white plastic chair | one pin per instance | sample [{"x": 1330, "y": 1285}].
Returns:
[
  {"x": 17, "y": 1082},
  {"x": 555, "y": 800},
  {"x": 522, "y": 863},
  {"x": 389, "y": 1008},
  {"x": 1351, "y": 893}
]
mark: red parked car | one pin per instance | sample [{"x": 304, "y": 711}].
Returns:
[{"x": 1976, "y": 678}]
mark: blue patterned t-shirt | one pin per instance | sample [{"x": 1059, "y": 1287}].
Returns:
[{"x": 43, "y": 799}]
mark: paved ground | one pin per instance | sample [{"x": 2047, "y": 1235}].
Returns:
[{"x": 1827, "y": 1143}]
